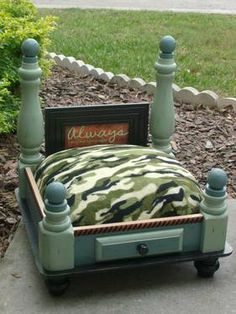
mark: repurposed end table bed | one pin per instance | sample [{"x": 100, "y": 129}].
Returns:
[{"x": 102, "y": 198}]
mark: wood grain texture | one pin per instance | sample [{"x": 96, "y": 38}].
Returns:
[{"x": 35, "y": 191}]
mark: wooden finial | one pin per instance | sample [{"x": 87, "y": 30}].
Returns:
[
  {"x": 55, "y": 198},
  {"x": 216, "y": 182},
  {"x": 30, "y": 130},
  {"x": 30, "y": 50},
  {"x": 215, "y": 192},
  {"x": 162, "y": 120},
  {"x": 167, "y": 46}
]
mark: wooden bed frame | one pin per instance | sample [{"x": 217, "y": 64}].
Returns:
[{"x": 61, "y": 250}]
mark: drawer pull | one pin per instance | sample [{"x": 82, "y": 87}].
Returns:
[{"x": 142, "y": 249}]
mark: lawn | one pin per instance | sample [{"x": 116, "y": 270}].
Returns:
[{"x": 127, "y": 42}]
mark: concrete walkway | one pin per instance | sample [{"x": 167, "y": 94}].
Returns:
[
  {"x": 203, "y": 6},
  {"x": 165, "y": 289}
]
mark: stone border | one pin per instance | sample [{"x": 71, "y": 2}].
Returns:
[{"x": 188, "y": 95}]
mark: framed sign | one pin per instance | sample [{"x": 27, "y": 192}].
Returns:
[{"x": 81, "y": 126}]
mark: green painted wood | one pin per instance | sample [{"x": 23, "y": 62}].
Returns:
[
  {"x": 139, "y": 244},
  {"x": 33, "y": 213},
  {"x": 85, "y": 246},
  {"x": 214, "y": 233},
  {"x": 55, "y": 232},
  {"x": 162, "y": 119},
  {"x": 30, "y": 131},
  {"x": 214, "y": 210}
]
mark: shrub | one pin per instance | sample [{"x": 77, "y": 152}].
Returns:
[{"x": 19, "y": 20}]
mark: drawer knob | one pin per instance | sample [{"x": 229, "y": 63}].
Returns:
[{"x": 142, "y": 249}]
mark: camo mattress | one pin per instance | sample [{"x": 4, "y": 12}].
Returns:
[{"x": 117, "y": 183}]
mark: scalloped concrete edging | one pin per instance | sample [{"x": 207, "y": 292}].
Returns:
[{"x": 188, "y": 95}]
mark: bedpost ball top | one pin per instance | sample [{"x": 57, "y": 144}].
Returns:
[
  {"x": 166, "y": 63},
  {"x": 216, "y": 182},
  {"x": 30, "y": 50},
  {"x": 55, "y": 193},
  {"x": 167, "y": 46}
]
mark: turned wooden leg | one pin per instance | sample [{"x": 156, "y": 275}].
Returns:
[
  {"x": 30, "y": 126},
  {"x": 162, "y": 118},
  {"x": 207, "y": 267}
]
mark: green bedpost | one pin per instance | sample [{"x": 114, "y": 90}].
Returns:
[
  {"x": 214, "y": 210},
  {"x": 56, "y": 235},
  {"x": 30, "y": 121},
  {"x": 162, "y": 120}
]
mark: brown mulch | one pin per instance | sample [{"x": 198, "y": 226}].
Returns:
[
  {"x": 204, "y": 138},
  {"x": 9, "y": 211}
]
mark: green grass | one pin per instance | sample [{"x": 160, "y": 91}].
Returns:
[{"x": 127, "y": 42}]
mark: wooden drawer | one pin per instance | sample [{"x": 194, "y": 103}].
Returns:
[{"x": 138, "y": 244}]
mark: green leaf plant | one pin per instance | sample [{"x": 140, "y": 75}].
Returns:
[{"x": 19, "y": 20}]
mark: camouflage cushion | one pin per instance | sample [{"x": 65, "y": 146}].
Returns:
[{"x": 109, "y": 183}]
